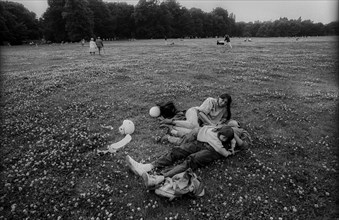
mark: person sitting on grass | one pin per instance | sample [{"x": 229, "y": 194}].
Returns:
[
  {"x": 212, "y": 111},
  {"x": 211, "y": 144}
]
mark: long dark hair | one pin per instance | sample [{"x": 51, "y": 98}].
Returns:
[{"x": 228, "y": 106}]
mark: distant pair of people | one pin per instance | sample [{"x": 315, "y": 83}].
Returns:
[{"x": 95, "y": 45}]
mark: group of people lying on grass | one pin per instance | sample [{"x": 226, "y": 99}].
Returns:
[{"x": 207, "y": 134}]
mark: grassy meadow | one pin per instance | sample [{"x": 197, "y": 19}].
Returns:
[{"x": 57, "y": 99}]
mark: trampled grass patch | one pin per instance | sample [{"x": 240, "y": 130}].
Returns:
[{"x": 57, "y": 102}]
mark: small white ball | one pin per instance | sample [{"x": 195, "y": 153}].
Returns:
[{"x": 154, "y": 111}]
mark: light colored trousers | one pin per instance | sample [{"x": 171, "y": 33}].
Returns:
[{"x": 183, "y": 127}]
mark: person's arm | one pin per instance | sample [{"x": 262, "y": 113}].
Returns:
[
  {"x": 240, "y": 142},
  {"x": 224, "y": 152},
  {"x": 222, "y": 121},
  {"x": 233, "y": 143},
  {"x": 204, "y": 118},
  {"x": 221, "y": 150}
]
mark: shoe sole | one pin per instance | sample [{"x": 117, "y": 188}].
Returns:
[
  {"x": 145, "y": 178},
  {"x": 128, "y": 158}
]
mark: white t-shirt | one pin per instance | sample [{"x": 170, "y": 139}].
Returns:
[{"x": 206, "y": 135}]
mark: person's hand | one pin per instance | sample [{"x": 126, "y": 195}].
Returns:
[
  {"x": 217, "y": 127},
  {"x": 222, "y": 121},
  {"x": 233, "y": 143}
]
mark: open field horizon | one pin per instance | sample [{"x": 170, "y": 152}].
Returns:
[{"x": 56, "y": 100}]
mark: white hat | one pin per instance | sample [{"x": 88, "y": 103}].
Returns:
[{"x": 127, "y": 127}]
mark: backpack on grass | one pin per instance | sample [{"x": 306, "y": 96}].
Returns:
[
  {"x": 167, "y": 109},
  {"x": 185, "y": 183}
]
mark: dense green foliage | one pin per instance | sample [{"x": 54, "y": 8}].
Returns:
[
  {"x": 72, "y": 20},
  {"x": 17, "y": 23}
]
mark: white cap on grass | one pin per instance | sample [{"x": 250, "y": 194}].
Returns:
[{"x": 127, "y": 127}]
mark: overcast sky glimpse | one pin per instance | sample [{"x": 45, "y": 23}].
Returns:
[{"x": 324, "y": 11}]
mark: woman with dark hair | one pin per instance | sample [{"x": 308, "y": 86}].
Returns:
[{"x": 213, "y": 111}]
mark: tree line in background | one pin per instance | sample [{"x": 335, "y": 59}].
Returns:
[{"x": 73, "y": 20}]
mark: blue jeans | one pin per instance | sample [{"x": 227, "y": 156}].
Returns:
[{"x": 196, "y": 154}]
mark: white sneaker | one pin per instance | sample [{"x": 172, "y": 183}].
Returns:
[
  {"x": 151, "y": 181},
  {"x": 137, "y": 168}
]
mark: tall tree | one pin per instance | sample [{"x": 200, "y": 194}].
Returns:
[
  {"x": 54, "y": 26},
  {"x": 208, "y": 25},
  {"x": 78, "y": 20},
  {"x": 232, "y": 24},
  {"x": 197, "y": 16},
  {"x": 172, "y": 12},
  {"x": 102, "y": 19},
  {"x": 4, "y": 32},
  {"x": 332, "y": 28},
  {"x": 146, "y": 14},
  {"x": 166, "y": 19},
  {"x": 17, "y": 23},
  {"x": 122, "y": 21},
  {"x": 184, "y": 23},
  {"x": 221, "y": 21}
]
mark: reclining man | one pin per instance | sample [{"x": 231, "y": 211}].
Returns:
[
  {"x": 211, "y": 144},
  {"x": 180, "y": 138}
]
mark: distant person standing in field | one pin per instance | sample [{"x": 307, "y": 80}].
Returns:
[
  {"x": 83, "y": 42},
  {"x": 92, "y": 47},
  {"x": 228, "y": 40},
  {"x": 99, "y": 43}
]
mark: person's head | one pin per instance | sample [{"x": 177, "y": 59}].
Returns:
[
  {"x": 224, "y": 100},
  {"x": 92, "y": 38},
  {"x": 225, "y": 134},
  {"x": 98, "y": 37}
]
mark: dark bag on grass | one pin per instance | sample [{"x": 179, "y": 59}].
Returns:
[{"x": 167, "y": 109}]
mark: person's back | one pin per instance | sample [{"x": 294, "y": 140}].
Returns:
[
  {"x": 99, "y": 42},
  {"x": 92, "y": 46}
]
